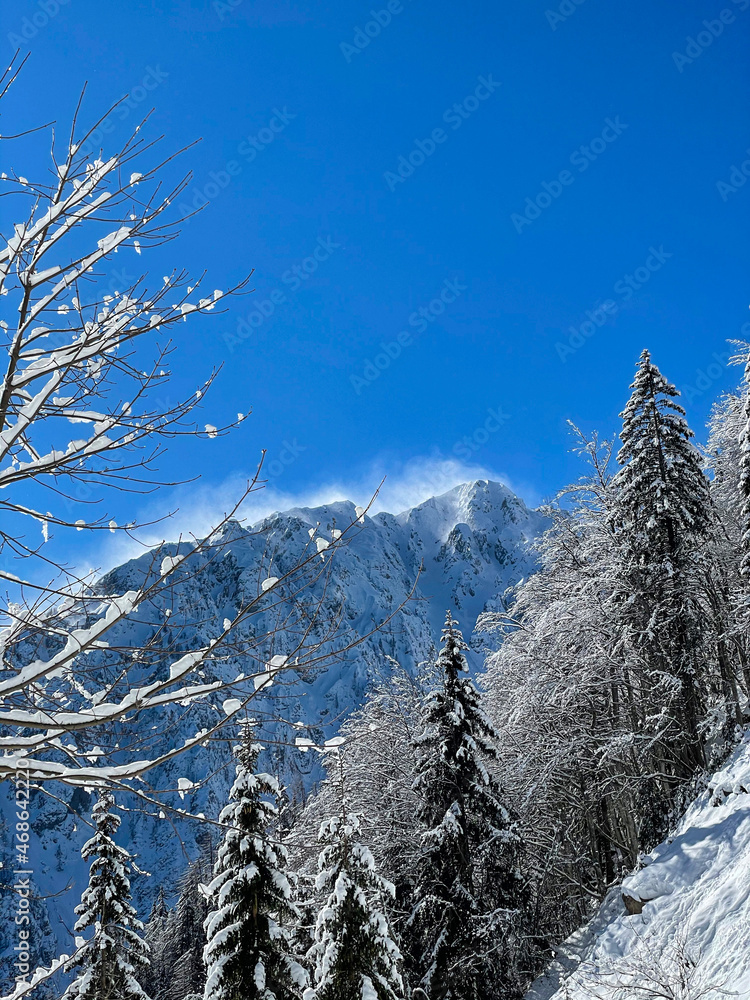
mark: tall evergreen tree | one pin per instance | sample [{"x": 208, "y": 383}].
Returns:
[
  {"x": 354, "y": 955},
  {"x": 467, "y": 922},
  {"x": 187, "y": 975},
  {"x": 663, "y": 518},
  {"x": 248, "y": 937},
  {"x": 108, "y": 960},
  {"x": 155, "y": 977}
]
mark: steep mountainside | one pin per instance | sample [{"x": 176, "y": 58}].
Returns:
[
  {"x": 692, "y": 938},
  {"x": 473, "y": 543}
]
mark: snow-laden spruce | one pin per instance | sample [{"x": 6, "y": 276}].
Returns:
[
  {"x": 248, "y": 929},
  {"x": 663, "y": 521},
  {"x": 155, "y": 977},
  {"x": 108, "y": 960},
  {"x": 638, "y": 609},
  {"x": 466, "y": 928},
  {"x": 354, "y": 955},
  {"x": 182, "y": 961}
]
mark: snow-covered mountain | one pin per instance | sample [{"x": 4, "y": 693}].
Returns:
[
  {"x": 463, "y": 550},
  {"x": 471, "y": 545},
  {"x": 691, "y": 939}
]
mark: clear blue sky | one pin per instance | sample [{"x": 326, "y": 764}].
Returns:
[{"x": 317, "y": 124}]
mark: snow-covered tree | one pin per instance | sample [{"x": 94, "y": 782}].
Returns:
[
  {"x": 729, "y": 461},
  {"x": 375, "y": 763},
  {"x": 560, "y": 693},
  {"x": 586, "y": 744},
  {"x": 744, "y": 471},
  {"x": 155, "y": 978},
  {"x": 184, "y": 953},
  {"x": 90, "y": 667},
  {"x": 249, "y": 926},
  {"x": 663, "y": 520},
  {"x": 637, "y": 603},
  {"x": 106, "y": 963},
  {"x": 466, "y": 929},
  {"x": 85, "y": 411},
  {"x": 354, "y": 955}
]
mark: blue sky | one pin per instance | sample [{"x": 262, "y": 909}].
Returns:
[{"x": 559, "y": 166}]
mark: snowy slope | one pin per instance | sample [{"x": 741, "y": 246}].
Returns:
[
  {"x": 692, "y": 938},
  {"x": 473, "y": 543}
]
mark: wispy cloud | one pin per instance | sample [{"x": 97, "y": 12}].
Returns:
[{"x": 200, "y": 507}]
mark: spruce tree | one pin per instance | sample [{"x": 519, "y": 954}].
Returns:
[
  {"x": 248, "y": 938},
  {"x": 662, "y": 518},
  {"x": 155, "y": 977},
  {"x": 466, "y": 927},
  {"x": 354, "y": 955},
  {"x": 184, "y": 951},
  {"x": 108, "y": 960}
]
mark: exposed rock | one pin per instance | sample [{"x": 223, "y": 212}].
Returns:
[{"x": 634, "y": 905}]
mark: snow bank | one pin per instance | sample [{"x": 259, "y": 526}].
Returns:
[{"x": 693, "y": 935}]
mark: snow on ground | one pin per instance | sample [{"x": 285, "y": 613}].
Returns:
[{"x": 692, "y": 939}]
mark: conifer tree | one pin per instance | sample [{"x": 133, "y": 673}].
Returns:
[
  {"x": 155, "y": 977},
  {"x": 108, "y": 960},
  {"x": 662, "y": 518},
  {"x": 187, "y": 975},
  {"x": 354, "y": 955},
  {"x": 467, "y": 922},
  {"x": 248, "y": 937}
]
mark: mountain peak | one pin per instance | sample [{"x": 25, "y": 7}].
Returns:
[{"x": 481, "y": 504}]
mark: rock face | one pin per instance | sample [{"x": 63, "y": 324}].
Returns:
[
  {"x": 465, "y": 548},
  {"x": 633, "y": 906}
]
